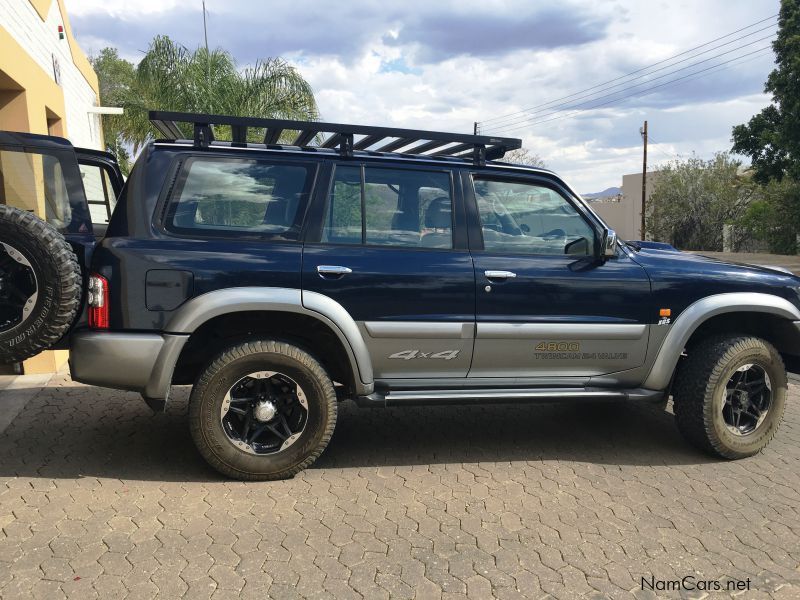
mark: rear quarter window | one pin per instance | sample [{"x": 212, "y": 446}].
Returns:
[{"x": 231, "y": 197}]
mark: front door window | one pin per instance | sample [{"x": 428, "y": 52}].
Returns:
[{"x": 524, "y": 218}]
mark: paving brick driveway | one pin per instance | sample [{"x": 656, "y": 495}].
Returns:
[{"x": 100, "y": 498}]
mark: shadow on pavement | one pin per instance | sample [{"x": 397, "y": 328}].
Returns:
[{"x": 73, "y": 432}]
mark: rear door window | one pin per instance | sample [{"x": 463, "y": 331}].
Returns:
[
  {"x": 389, "y": 207},
  {"x": 239, "y": 197},
  {"x": 46, "y": 184},
  {"x": 100, "y": 193}
]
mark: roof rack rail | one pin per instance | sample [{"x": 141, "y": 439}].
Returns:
[{"x": 338, "y": 135}]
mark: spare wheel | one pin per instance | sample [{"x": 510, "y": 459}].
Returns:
[{"x": 40, "y": 285}]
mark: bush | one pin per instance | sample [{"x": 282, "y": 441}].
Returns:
[
  {"x": 773, "y": 216},
  {"x": 692, "y": 199}
]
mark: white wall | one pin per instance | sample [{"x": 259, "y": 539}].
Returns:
[
  {"x": 40, "y": 40},
  {"x": 625, "y": 216}
]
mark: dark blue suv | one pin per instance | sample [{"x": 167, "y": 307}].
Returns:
[{"x": 301, "y": 264}]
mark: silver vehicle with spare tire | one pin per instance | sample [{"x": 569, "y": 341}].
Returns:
[{"x": 390, "y": 267}]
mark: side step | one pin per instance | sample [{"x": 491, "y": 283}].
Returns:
[{"x": 501, "y": 396}]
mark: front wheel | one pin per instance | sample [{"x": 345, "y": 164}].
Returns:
[
  {"x": 729, "y": 395},
  {"x": 262, "y": 410}
]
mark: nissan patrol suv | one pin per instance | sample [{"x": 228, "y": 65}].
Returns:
[{"x": 301, "y": 264}]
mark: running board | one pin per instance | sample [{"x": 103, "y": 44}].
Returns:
[{"x": 501, "y": 396}]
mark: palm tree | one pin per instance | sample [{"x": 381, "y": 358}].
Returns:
[{"x": 172, "y": 77}]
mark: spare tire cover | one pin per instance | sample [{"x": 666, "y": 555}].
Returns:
[{"x": 40, "y": 285}]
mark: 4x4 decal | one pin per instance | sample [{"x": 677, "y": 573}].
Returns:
[{"x": 412, "y": 354}]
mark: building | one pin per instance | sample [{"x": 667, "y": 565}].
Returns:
[
  {"x": 624, "y": 213},
  {"x": 47, "y": 86}
]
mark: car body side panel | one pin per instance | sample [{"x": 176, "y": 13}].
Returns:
[
  {"x": 681, "y": 278},
  {"x": 394, "y": 294},
  {"x": 553, "y": 319},
  {"x": 214, "y": 265},
  {"x": 556, "y": 315}
]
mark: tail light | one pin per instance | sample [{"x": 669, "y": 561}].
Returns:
[{"x": 97, "y": 299}]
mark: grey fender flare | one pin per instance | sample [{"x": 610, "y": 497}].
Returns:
[
  {"x": 202, "y": 308},
  {"x": 700, "y": 311}
]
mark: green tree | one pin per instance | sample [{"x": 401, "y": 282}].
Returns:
[
  {"x": 692, "y": 199},
  {"x": 115, "y": 76},
  {"x": 772, "y": 138},
  {"x": 772, "y": 217},
  {"x": 172, "y": 77}
]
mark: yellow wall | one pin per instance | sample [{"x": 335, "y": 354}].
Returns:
[{"x": 39, "y": 91}]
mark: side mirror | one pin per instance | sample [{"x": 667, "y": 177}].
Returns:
[
  {"x": 609, "y": 246},
  {"x": 579, "y": 247}
]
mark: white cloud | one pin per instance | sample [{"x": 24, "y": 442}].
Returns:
[
  {"x": 123, "y": 9},
  {"x": 366, "y": 65}
]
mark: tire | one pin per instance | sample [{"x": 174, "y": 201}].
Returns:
[
  {"x": 707, "y": 377},
  {"x": 34, "y": 259},
  {"x": 215, "y": 431}
]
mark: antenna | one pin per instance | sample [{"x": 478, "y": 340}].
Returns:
[
  {"x": 643, "y": 133},
  {"x": 205, "y": 28}
]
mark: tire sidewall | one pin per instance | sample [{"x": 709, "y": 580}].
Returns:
[
  {"x": 206, "y": 405},
  {"x": 752, "y": 443},
  {"x": 47, "y": 274}
]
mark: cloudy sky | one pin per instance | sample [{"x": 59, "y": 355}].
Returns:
[{"x": 447, "y": 63}]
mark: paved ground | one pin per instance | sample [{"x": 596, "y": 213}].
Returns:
[{"x": 100, "y": 498}]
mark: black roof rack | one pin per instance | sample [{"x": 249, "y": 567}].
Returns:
[{"x": 337, "y": 135}]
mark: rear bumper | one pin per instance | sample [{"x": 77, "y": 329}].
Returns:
[{"x": 139, "y": 362}]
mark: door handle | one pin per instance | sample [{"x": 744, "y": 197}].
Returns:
[
  {"x": 332, "y": 271},
  {"x": 499, "y": 275}
]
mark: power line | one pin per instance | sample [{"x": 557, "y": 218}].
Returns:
[
  {"x": 604, "y": 87},
  {"x": 569, "y": 105},
  {"x": 644, "y": 68},
  {"x": 654, "y": 143},
  {"x": 501, "y": 117},
  {"x": 685, "y": 77},
  {"x": 720, "y": 66}
]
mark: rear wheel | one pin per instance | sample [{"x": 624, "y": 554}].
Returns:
[
  {"x": 40, "y": 285},
  {"x": 729, "y": 395},
  {"x": 262, "y": 410}
]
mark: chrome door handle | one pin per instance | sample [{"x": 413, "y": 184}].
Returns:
[
  {"x": 333, "y": 271},
  {"x": 499, "y": 275}
]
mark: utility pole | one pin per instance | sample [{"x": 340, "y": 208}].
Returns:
[
  {"x": 475, "y": 128},
  {"x": 643, "y": 132}
]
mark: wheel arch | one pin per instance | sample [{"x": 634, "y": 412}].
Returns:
[
  {"x": 768, "y": 316},
  {"x": 278, "y": 312}
]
